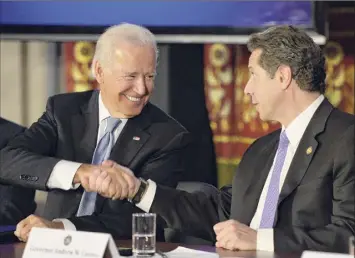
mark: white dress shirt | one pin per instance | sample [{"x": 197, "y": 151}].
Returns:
[
  {"x": 64, "y": 171},
  {"x": 294, "y": 132}
]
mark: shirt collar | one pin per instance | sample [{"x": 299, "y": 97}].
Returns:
[
  {"x": 298, "y": 126},
  {"x": 104, "y": 113}
]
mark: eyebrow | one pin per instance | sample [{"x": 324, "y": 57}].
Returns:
[
  {"x": 136, "y": 73},
  {"x": 130, "y": 73}
]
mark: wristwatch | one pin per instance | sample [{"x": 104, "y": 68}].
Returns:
[{"x": 141, "y": 191}]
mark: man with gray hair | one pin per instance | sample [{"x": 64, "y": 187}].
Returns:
[
  {"x": 80, "y": 131},
  {"x": 294, "y": 188}
]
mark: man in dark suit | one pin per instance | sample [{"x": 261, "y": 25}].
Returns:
[
  {"x": 79, "y": 131},
  {"x": 294, "y": 188},
  {"x": 16, "y": 203}
]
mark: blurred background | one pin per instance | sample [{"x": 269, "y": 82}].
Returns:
[{"x": 47, "y": 48}]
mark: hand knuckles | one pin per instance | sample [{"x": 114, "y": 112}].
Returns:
[
  {"x": 238, "y": 236},
  {"x": 32, "y": 217},
  {"x": 125, "y": 188},
  {"x": 223, "y": 244}
]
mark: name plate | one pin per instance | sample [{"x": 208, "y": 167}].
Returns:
[
  {"x": 314, "y": 254},
  {"x": 44, "y": 242}
]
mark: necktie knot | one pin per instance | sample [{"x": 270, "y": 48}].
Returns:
[
  {"x": 283, "y": 140},
  {"x": 111, "y": 124}
]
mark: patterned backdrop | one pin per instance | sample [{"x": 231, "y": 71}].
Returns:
[{"x": 78, "y": 58}]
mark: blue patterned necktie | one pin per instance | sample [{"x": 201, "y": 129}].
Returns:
[
  {"x": 272, "y": 197},
  {"x": 101, "y": 153}
]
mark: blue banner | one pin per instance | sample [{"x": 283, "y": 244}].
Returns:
[{"x": 233, "y": 14}]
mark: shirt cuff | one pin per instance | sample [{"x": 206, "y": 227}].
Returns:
[
  {"x": 148, "y": 197},
  {"x": 68, "y": 225},
  {"x": 265, "y": 240},
  {"x": 63, "y": 174}
]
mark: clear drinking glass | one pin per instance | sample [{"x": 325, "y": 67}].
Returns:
[
  {"x": 143, "y": 234},
  {"x": 352, "y": 245}
]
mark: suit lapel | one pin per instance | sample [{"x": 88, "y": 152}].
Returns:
[
  {"x": 131, "y": 140},
  {"x": 306, "y": 150},
  {"x": 85, "y": 127},
  {"x": 257, "y": 178}
]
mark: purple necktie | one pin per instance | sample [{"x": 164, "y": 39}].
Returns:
[{"x": 272, "y": 197}]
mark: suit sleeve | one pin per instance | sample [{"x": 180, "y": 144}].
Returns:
[
  {"x": 334, "y": 236},
  {"x": 191, "y": 213},
  {"x": 165, "y": 167},
  {"x": 16, "y": 203},
  {"x": 28, "y": 159}
]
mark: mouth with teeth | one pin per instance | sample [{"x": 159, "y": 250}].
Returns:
[{"x": 133, "y": 99}]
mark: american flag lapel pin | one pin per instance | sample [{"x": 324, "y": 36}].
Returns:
[{"x": 136, "y": 138}]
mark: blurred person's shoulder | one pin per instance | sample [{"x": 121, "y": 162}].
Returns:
[
  {"x": 9, "y": 125},
  {"x": 8, "y": 130}
]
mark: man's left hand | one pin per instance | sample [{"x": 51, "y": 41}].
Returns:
[
  {"x": 24, "y": 227},
  {"x": 233, "y": 235}
]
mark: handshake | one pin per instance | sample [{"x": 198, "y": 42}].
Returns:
[{"x": 108, "y": 179}]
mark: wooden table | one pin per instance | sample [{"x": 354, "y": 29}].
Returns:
[{"x": 16, "y": 250}]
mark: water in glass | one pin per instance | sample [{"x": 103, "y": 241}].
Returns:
[{"x": 143, "y": 234}]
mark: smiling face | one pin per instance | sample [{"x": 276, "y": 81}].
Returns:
[
  {"x": 265, "y": 92},
  {"x": 127, "y": 82}
]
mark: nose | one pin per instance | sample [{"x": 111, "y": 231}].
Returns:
[
  {"x": 141, "y": 87},
  {"x": 247, "y": 88}
]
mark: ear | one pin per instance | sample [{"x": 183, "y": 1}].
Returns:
[
  {"x": 98, "y": 71},
  {"x": 284, "y": 75}
]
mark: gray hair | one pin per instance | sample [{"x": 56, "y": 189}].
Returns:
[
  {"x": 124, "y": 32},
  {"x": 292, "y": 47}
]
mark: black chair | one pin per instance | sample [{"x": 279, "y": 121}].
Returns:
[{"x": 177, "y": 236}]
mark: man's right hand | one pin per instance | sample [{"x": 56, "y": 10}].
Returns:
[
  {"x": 114, "y": 181},
  {"x": 83, "y": 173}
]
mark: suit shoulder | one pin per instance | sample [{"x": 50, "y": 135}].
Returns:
[
  {"x": 163, "y": 120},
  {"x": 341, "y": 119},
  {"x": 337, "y": 124},
  {"x": 70, "y": 101},
  {"x": 72, "y": 97}
]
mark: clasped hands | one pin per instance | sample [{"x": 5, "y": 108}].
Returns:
[
  {"x": 117, "y": 182},
  {"x": 110, "y": 180}
]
